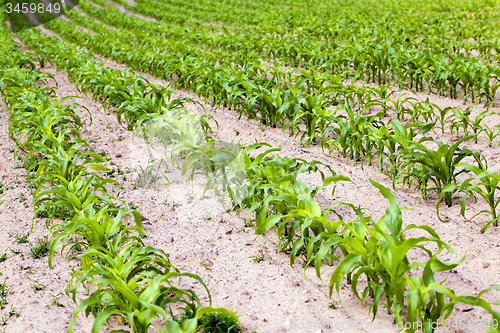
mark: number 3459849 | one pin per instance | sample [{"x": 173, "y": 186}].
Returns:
[{"x": 33, "y": 8}]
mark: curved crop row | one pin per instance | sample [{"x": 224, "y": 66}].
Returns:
[{"x": 123, "y": 276}]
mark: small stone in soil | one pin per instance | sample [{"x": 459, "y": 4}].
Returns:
[
  {"x": 169, "y": 239},
  {"x": 207, "y": 262},
  {"x": 186, "y": 219},
  {"x": 307, "y": 151}
]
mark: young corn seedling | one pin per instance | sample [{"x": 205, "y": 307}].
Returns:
[
  {"x": 491, "y": 133},
  {"x": 219, "y": 322},
  {"x": 439, "y": 167},
  {"x": 462, "y": 120},
  {"x": 92, "y": 228},
  {"x": 354, "y": 135},
  {"x": 398, "y": 144},
  {"x": 382, "y": 258},
  {"x": 399, "y": 108},
  {"x": 485, "y": 184},
  {"x": 208, "y": 318},
  {"x": 133, "y": 282},
  {"x": 476, "y": 124},
  {"x": 443, "y": 119},
  {"x": 74, "y": 195}
]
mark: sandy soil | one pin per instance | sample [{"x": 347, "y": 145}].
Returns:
[{"x": 270, "y": 296}]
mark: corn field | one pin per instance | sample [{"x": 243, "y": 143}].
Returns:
[{"x": 359, "y": 138}]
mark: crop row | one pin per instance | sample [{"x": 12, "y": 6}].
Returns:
[
  {"x": 123, "y": 276},
  {"x": 304, "y": 106},
  {"x": 418, "y": 47},
  {"x": 402, "y": 107},
  {"x": 412, "y": 60},
  {"x": 272, "y": 94},
  {"x": 269, "y": 187},
  {"x": 470, "y": 19}
]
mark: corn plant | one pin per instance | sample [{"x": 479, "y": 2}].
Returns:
[
  {"x": 439, "y": 167},
  {"x": 192, "y": 325},
  {"x": 273, "y": 184},
  {"x": 461, "y": 121},
  {"x": 21, "y": 78},
  {"x": 62, "y": 163},
  {"x": 476, "y": 125},
  {"x": 491, "y": 133},
  {"x": 484, "y": 184},
  {"x": 382, "y": 258},
  {"x": 75, "y": 195},
  {"x": 37, "y": 118},
  {"x": 399, "y": 108},
  {"x": 396, "y": 142},
  {"x": 132, "y": 281},
  {"x": 443, "y": 119},
  {"x": 316, "y": 117},
  {"x": 353, "y": 135},
  {"x": 92, "y": 228}
]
